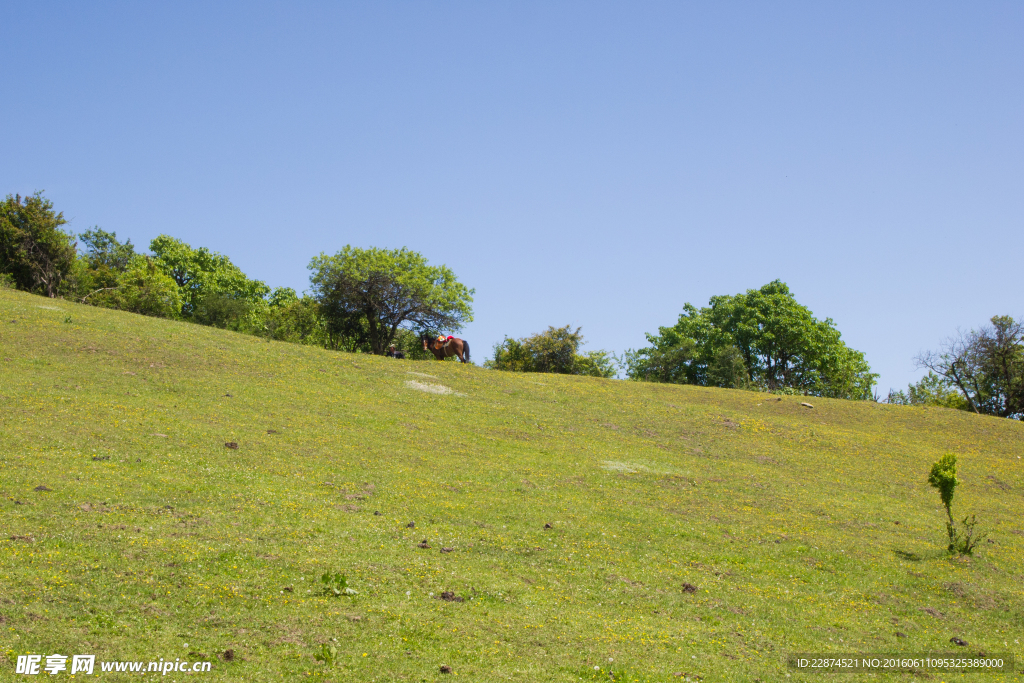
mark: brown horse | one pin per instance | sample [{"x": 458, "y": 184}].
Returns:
[{"x": 452, "y": 347}]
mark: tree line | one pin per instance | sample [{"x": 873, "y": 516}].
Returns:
[
  {"x": 365, "y": 300},
  {"x": 360, "y": 300}
]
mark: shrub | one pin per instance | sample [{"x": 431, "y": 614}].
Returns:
[
  {"x": 931, "y": 390},
  {"x": 35, "y": 251},
  {"x": 141, "y": 288},
  {"x": 595, "y": 364},
  {"x": 512, "y": 356},
  {"x": 554, "y": 350},
  {"x": 327, "y": 655},
  {"x": 943, "y": 477},
  {"x": 336, "y": 584}
]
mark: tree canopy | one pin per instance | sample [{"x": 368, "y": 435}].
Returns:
[
  {"x": 986, "y": 366},
  {"x": 35, "y": 252},
  {"x": 367, "y": 295},
  {"x": 763, "y": 339},
  {"x": 554, "y": 350},
  {"x": 104, "y": 250},
  {"x": 930, "y": 390},
  {"x": 212, "y": 288}
]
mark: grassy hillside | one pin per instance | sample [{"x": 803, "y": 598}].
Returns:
[{"x": 585, "y": 524}]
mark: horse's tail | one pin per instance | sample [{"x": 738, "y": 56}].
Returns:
[{"x": 465, "y": 350}]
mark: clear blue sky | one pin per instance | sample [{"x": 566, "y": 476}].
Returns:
[{"x": 585, "y": 163}]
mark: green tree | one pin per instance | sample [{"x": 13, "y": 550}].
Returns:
[
  {"x": 511, "y": 355},
  {"x": 213, "y": 289},
  {"x": 943, "y": 477},
  {"x": 986, "y": 366},
  {"x": 141, "y": 287},
  {"x": 596, "y": 364},
  {"x": 295, "y": 319},
  {"x": 367, "y": 295},
  {"x": 930, "y": 390},
  {"x": 554, "y": 350},
  {"x": 728, "y": 369},
  {"x": 779, "y": 343},
  {"x": 104, "y": 250},
  {"x": 97, "y": 270},
  {"x": 34, "y": 251},
  {"x": 670, "y": 361}
]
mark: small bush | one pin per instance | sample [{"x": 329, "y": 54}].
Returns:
[
  {"x": 943, "y": 477},
  {"x": 327, "y": 655},
  {"x": 555, "y": 350},
  {"x": 336, "y": 584}
]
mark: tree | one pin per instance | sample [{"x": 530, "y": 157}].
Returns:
[
  {"x": 931, "y": 390},
  {"x": 669, "y": 361},
  {"x": 141, "y": 287},
  {"x": 366, "y": 295},
  {"x": 555, "y": 350},
  {"x": 596, "y": 364},
  {"x": 104, "y": 250},
  {"x": 986, "y": 366},
  {"x": 295, "y": 319},
  {"x": 98, "y": 269},
  {"x": 943, "y": 477},
  {"x": 762, "y": 339},
  {"x": 34, "y": 250},
  {"x": 213, "y": 289},
  {"x": 511, "y": 355}
]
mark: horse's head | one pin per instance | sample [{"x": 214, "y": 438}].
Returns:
[{"x": 426, "y": 342}]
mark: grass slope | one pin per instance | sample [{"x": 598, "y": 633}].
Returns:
[{"x": 801, "y": 529}]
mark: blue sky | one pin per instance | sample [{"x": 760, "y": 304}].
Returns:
[{"x": 585, "y": 163}]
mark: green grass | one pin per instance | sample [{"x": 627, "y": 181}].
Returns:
[{"x": 802, "y": 529}]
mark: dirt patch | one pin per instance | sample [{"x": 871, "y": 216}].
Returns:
[
  {"x": 289, "y": 635},
  {"x": 432, "y": 388},
  {"x": 449, "y": 596},
  {"x": 1001, "y": 485},
  {"x": 956, "y": 589},
  {"x": 934, "y": 612},
  {"x": 627, "y": 467}
]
